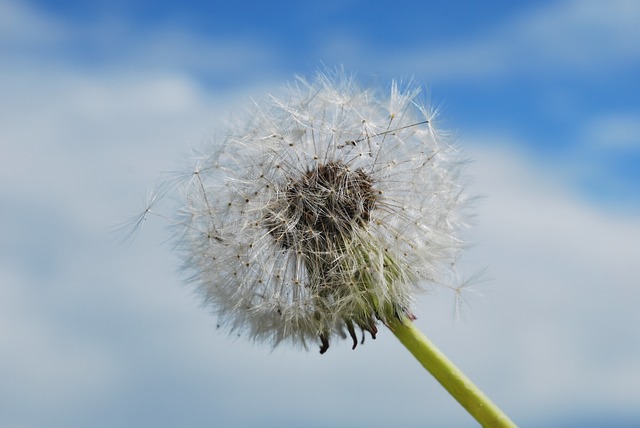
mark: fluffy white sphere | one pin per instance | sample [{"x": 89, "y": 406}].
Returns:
[{"x": 323, "y": 212}]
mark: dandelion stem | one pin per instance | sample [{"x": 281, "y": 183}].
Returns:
[{"x": 449, "y": 376}]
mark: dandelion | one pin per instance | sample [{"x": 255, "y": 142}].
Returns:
[{"x": 322, "y": 215}]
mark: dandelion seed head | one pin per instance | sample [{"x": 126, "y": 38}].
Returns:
[{"x": 323, "y": 213}]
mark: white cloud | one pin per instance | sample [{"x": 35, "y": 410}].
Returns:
[
  {"x": 569, "y": 36},
  {"x": 212, "y": 57},
  {"x": 61, "y": 127},
  {"x": 614, "y": 131},
  {"x": 567, "y": 281},
  {"x": 21, "y": 24},
  {"x": 29, "y": 37},
  {"x": 581, "y": 33}
]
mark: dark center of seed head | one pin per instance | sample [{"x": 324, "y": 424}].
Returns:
[{"x": 325, "y": 204}]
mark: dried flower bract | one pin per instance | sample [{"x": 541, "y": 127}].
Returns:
[{"x": 323, "y": 213}]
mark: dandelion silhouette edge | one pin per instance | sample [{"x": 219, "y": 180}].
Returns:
[{"x": 323, "y": 212}]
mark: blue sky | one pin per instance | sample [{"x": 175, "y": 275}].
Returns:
[
  {"x": 558, "y": 73},
  {"x": 97, "y": 98}
]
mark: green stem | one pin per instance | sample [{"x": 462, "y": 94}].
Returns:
[{"x": 454, "y": 381}]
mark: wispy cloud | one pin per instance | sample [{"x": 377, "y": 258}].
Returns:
[
  {"x": 23, "y": 26},
  {"x": 561, "y": 37},
  {"x": 31, "y": 38},
  {"x": 614, "y": 131}
]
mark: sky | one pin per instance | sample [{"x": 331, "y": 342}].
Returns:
[{"x": 97, "y": 99}]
